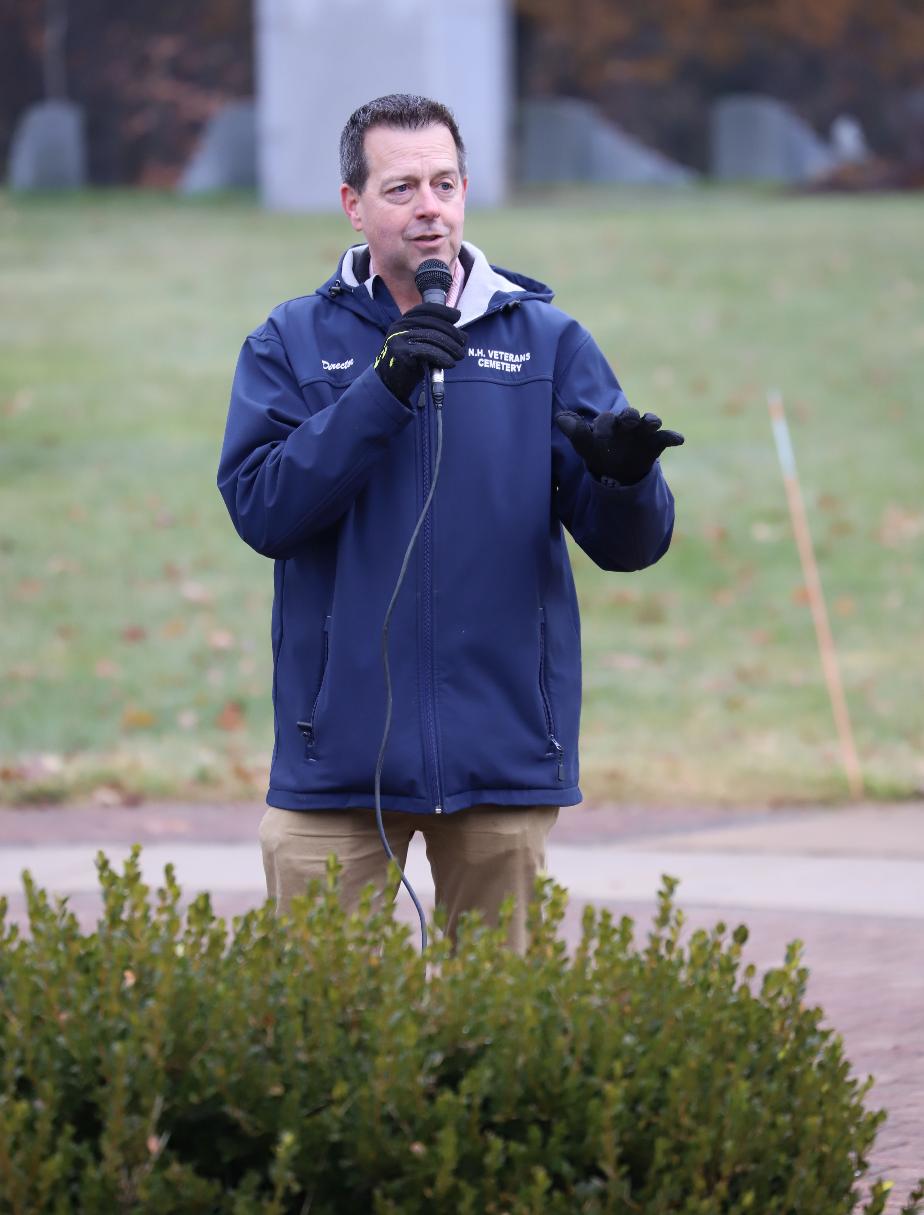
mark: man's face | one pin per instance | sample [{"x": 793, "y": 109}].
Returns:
[{"x": 413, "y": 204}]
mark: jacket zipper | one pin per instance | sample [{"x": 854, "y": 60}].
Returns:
[
  {"x": 557, "y": 749},
  {"x": 424, "y": 402},
  {"x": 308, "y": 727}
]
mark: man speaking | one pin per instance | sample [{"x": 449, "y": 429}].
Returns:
[{"x": 328, "y": 461}]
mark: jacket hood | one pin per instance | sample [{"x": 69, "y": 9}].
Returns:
[{"x": 487, "y": 288}]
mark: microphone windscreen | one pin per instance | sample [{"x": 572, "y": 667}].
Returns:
[{"x": 433, "y": 275}]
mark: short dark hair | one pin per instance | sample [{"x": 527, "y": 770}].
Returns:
[{"x": 405, "y": 110}]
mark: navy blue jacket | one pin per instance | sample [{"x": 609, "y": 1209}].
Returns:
[{"x": 325, "y": 471}]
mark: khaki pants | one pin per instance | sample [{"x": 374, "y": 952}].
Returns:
[{"x": 477, "y": 856}]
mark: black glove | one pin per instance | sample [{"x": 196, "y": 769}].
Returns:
[
  {"x": 619, "y": 445},
  {"x": 426, "y": 336}
]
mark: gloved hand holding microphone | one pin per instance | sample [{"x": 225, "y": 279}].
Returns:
[{"x": 426, "y": 336}]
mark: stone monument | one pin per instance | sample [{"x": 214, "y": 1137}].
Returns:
[
  {"x": 757, "y": 138},
  {"x": 226, "y": 156},
  {"x": 563, "y": 139},
  {"x": 48, "y": 149},
  {"x": 318, "y": 61}
]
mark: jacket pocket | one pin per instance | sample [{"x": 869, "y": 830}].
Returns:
[
  {"x": 555, "y": 751},
  {"x": 308, "y": 727}
]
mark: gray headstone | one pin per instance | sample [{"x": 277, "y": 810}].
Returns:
[
  {"x": 756, "y": 138},
  {"x": 48, "y": 149},
  {"x": 848, "y": 143},
  {"x": 564, "y": 139},
  {"x": 318, "y": 61},
  {"x": 227, "y": 152}
]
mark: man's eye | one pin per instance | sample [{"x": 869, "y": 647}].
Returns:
[
  {"x": 447, "y": 186},
  {"x": 402, "y": 189}
]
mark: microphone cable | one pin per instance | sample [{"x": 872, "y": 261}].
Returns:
[
  {"x": 433, "y": 280},
  {"x": 438, "y": 402}
]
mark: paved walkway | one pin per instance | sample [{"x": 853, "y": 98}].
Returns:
[{"x": 847, "y": 882}]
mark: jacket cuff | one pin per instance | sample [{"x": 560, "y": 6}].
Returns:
[
  {"x": 612, "y": 487},
  {"x": 371, "y": 382}
]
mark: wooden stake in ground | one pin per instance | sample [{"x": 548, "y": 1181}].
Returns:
[{"x": 815, "y": 595}]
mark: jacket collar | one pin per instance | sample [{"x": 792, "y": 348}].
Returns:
[{"x": 487, "y": 288}]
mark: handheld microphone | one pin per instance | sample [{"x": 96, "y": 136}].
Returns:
[{"x": 433, "y": 281}]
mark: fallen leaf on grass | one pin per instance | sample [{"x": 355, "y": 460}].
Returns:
[
  {"x": 173, "y": 628},
  {"x": 714, "y": 683},
  {"x": 245, "y": 774},
  {"x": 134, "y": 718},
  {"x": 750, "y": 673},
  {"x": 46, "y": 763},
  {"x": 62, "y": 565},
  {"x": 840, "y": 528},
  {"x": 187, "y": 719},
  {"x": 623, "y": 662},
  {"x": 114, "y": 795},
  {"x": 221, "y": 639},
  {"x": 19, "y": 402},
  {"x": 29, "y": 588},
  {"x": 107, "y": 669},
  {"x": 799, "y": 679},
  {"x": 765, "y": 533},
  {"x": 715, "y": 533},
  {"x": 651, "y": 610},
  {"x": 739, "y": 399},
  {"x": 845, "y": 605},
  {"x": 134, "y": 632},
  {"x": 195, "y": 592},
  {"x": 22, "y": 670},
  {"x": 899, "y": 526},
  {"x": 231, "y": 716},
  {"x": 623, "y": 596}
]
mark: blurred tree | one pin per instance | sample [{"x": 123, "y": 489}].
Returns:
[
  {"x": 654, "y": 65},
  {"x": 150, "y": 75},
  {"x": 54, "y": 58}
]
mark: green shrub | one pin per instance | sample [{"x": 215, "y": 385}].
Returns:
[{"x": 165, "y": 1063}]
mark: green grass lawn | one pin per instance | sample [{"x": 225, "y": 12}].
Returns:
[{"x": 134, "y": 654}]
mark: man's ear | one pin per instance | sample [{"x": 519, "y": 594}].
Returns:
[{"x": 349, "y": 200}]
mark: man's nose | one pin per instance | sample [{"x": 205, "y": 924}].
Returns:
[{"x": 428, "y": 202}]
